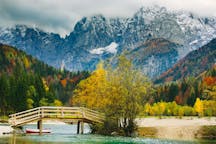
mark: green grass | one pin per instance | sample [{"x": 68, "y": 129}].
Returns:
[
  {"x": 4, "y": 118},
  {"x": 207, "y": 132}
]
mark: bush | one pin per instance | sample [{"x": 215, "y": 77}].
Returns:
[
  {"x": 202, "y": 108},
  {"x": 207, "y": 132}
]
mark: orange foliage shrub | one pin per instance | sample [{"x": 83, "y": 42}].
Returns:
[
  {"x": 178, "y": 100},
  {"x": 64, "y": 82},
  {"x": 210, "y": 80}
]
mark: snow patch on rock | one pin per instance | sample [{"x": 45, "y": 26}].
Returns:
[{"x": 112, "y": 48}]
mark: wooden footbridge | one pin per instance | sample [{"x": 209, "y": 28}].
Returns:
[{"x": 79, "y": 115}]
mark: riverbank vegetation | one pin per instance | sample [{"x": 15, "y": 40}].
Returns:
[
  {"x": 118, "y": 92},
  {"x": 123, "y": 93},
  {"x": 207, "y": 132},
  {"x": 200, "y": 108}
]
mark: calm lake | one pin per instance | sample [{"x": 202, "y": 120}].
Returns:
[{"x": 65, "y": 134}]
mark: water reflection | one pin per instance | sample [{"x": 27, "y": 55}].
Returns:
[{"x": 66, "y": 134}]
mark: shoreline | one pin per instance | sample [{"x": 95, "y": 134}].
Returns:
[
  {"x": 187, "y": 128},
  {"x": 5, "y": 129}
]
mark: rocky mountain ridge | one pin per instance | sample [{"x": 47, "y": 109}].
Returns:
[
  {"x": 87, "y": 44},
  {"x": 195, "y": 63}
]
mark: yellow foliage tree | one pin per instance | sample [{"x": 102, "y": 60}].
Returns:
[
  {"x": 45, "y": 85},
  {"x": 162, "y": 107},
  {"x": 29, "y": 103},
  {"x": 57, "y": 103},
  {"x": 127, "y": 91},
  {"x": 26, "y": 62},
  {"x": 198, "y": 106},
  {"x": 120, "y": 93},
  {"x": 91, "y": 92},
  {"x": 147, "y": 109}
]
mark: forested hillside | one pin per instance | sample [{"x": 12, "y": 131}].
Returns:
[
  {"x": 185, "y": 91},
  {"x": 193, "y": 64},
  {"x": 26, "y": 82}
]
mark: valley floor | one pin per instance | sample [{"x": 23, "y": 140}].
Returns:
[
  {"x": 173, "y": 128},
  {"x": 172, "y": 121}
]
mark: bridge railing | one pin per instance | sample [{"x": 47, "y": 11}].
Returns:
[{"x": 55, "y": 113}]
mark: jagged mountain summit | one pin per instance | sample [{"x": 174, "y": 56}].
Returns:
[
  {"x": 99, "y": 38},
  {"x": 42, "y": 45}
]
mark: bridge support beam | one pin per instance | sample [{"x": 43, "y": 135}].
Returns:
[
  {"x": 39, "y": 126},
  {"x": 80, "y": 127}
]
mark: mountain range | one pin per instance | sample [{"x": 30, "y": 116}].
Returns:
[{"x": 154, "y": 38}]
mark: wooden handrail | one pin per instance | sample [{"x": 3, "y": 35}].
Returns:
[{"x": 27, "y": 116}]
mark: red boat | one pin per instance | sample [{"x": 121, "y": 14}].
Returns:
[{"x": 37, "y": 130}]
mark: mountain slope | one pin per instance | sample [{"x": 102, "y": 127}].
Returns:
[
  {"x": 42, "y": 45},
  {"x": 79, "y": 50},
  {"x": 193, "y": 64},
  {"x": 155, "y": 56}
]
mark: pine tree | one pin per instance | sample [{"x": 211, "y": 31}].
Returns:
[{"x": 4, "y": 93}]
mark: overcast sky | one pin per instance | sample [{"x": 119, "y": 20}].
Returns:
[{"x": 59, "y": 16}]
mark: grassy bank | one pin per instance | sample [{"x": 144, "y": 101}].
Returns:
[
  {"x": 207, "y": 132},
  {"x": 3, "y": 119}
]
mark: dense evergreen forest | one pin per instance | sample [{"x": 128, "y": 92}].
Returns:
[{"x": 26, "y": 82}]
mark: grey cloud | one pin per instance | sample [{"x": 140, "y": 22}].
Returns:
[{"x": 60, "y": 15}]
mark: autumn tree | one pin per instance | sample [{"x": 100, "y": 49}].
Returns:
[
  {"x": 92, "y": 92},
  {"x": 30, "y": 93},
  {"x": 4, "y": 93},
  {"x": 210, "y": 88},
  {"x": 198, "y": 106},
  {"x": 147, "y": 109},
  {"x": 128, "y": 91},
  {"x": 119, "y": 92}
]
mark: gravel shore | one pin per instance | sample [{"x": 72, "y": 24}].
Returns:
[{"x": 173, "y": 128}]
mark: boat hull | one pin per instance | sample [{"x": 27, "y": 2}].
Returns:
[{"x": 37, "y": 131}]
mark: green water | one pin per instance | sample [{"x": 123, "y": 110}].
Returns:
[
  {"x": 66, "y": 134},
  {"x": 88, "y": 139}
]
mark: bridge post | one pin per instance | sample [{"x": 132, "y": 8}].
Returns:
[
  {"x": 82, "y": 127},
  {"x": 39, "y": 126},
  {"x": 78, "y": 127}
]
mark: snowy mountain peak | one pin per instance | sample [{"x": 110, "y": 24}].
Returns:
[{"x": 98, "y": 37}]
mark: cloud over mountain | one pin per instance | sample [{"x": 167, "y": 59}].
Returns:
[{"x": 60, "y": 15}]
